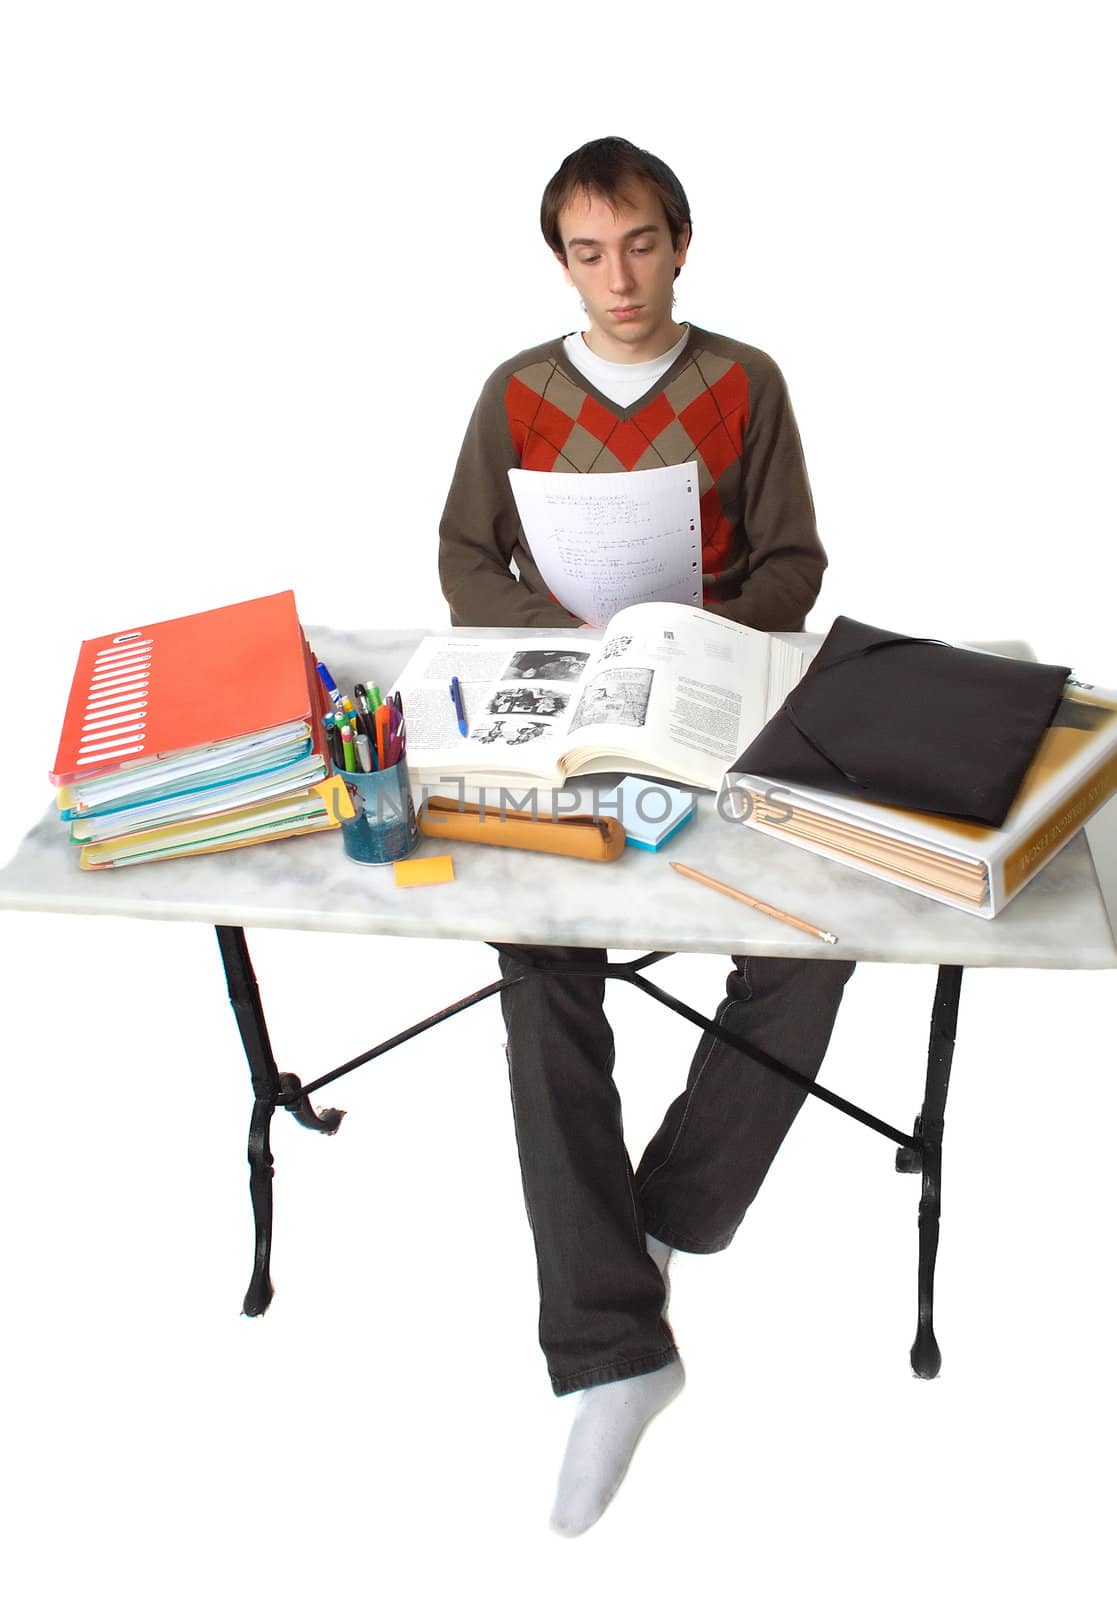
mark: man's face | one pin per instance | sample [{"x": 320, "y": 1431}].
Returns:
[{"x": 622, "y": 262}]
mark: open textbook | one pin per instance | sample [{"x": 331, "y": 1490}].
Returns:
[{"x": 668, "y": 691}]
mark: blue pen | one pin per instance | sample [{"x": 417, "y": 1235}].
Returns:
[
  {"x": 328, "y": 682},
  {"x": 456, "y": 697}
]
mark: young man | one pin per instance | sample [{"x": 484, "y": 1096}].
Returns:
[{"x": 636, "y": 390}]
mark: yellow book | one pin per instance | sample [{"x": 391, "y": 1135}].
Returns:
[{"x": 321, "y": 806}]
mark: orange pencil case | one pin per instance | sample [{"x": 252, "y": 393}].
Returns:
[{"x": 587, "y": 838}]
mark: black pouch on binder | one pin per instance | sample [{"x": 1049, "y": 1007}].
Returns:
[{"x": 909, "y": 722}]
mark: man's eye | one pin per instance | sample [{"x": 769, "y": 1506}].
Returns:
[{"x": 587, "y": 261}]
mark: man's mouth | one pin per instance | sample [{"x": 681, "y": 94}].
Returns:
[{"x": 624, "y": 313}]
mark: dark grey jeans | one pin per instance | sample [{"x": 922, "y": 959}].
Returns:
[{"x": 601, "y": 1295}]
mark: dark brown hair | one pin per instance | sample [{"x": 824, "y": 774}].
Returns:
[{"x": 610, "y": 168}]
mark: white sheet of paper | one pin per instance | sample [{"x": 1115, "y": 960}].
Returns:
[{"x": 606, "y": 540}]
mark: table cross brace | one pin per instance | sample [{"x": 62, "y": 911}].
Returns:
[{"x": 920, "y": 1151}]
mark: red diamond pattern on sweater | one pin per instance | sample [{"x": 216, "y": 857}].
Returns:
[
  {"x": 595, "y": 419},
  {"x": 716, "y": 532},
  {"x": 539, "y": 429}
]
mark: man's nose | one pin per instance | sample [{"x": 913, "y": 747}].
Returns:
[{"x": 620, "y": 274}]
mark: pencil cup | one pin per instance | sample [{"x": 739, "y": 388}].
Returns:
[{"x": 384, "y": 828}]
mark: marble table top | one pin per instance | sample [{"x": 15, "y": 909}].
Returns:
[{"x": 636, "y": 903}]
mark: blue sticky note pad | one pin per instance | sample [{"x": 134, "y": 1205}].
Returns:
[{"x": 650, "y": 812}]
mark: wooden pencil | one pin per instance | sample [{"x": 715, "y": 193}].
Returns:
[{"x": 757, "y": 905}]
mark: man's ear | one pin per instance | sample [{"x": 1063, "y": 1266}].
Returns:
[
  {"x": 683, "y": 245},
  {"x": 561, "y": 259}
]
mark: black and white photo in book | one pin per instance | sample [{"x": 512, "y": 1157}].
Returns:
[
  {"x": 616, "y": 696},
  {"x": 559, "y": 666},
  {"x": 528, "y": 702}
]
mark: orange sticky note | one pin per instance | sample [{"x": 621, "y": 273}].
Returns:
[{"x": 424, "y": 869}]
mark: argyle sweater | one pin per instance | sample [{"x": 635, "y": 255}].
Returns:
[{"x": 721, "y": 404}]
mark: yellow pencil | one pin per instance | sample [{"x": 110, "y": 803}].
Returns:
[{"x": 757, "y": 905}]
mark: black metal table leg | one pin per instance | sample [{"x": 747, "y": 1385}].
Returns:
[
  {"x": 268, "y": 1085},
  {"x": 921, "y": 1152},
  {"x": 926, "y": 1358}
]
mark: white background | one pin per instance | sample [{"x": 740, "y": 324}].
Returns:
[{"x": 257, "y": 261}]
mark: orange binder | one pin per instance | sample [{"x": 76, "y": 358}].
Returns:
[{"x": 166, "y": 687}]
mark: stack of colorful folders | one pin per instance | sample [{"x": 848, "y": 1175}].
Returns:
[{"x": 199, "y": 734}]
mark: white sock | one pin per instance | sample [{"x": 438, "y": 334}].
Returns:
[
  {"x": 659, "y": 1252},
  {"x": 607, "y": 1426}
]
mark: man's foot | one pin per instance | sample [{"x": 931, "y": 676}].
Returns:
[{"x": 605, "y": 1432}]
